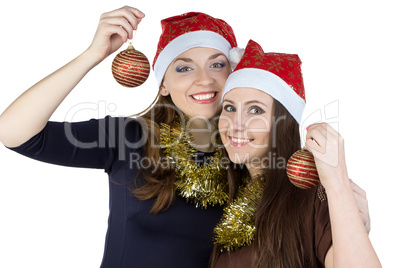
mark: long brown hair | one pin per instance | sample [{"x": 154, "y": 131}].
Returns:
[
  {"x": 278, "y": 221},
  {"x": 159, "y": 178}
]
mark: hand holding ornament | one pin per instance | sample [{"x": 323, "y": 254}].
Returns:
[
  {"x": 327, "y": 147},
  {"x": 114, "y": 29},
  {"x": 302, "y": 172}
]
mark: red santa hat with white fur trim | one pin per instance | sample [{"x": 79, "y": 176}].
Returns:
[{"x": 276, "y": 74}]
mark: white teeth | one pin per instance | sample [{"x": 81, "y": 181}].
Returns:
[
  {"x": 239, "y": 140},
  {"x": 205, "y": 96}
]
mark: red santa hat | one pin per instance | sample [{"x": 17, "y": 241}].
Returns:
[
  {"x": 276, "y": 74},
  {"x": 194, "y": 29}
]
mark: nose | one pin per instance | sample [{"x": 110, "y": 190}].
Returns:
[
  {"x": 238, "y": 121},
  {"x": 204, "y": 77}
]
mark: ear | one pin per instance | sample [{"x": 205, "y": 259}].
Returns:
[{"x": 164, "y": 91}]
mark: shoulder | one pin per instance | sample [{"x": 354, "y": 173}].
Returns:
[
  {"x": 316, "y": 197},
  {"x": 125, "y": 127},
  {"x": 111, "y": 131}
]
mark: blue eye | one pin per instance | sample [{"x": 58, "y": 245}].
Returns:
[
  {"x": 182, "y": 69},
  {"x": 256, "y": 110},
  {"x": 229, "y": 108},
  {"x": 218, "y": 65}
]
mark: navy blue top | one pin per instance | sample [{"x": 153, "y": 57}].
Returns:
[{"x": 180, "y": 236}]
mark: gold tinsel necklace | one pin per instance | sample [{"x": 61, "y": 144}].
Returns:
[
  {"x": 237, "y": 226},
  {"x": 202, "y": 183}
]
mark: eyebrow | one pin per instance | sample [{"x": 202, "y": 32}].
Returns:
[
  {"x": 214, "y": 56},
  {"x": 248, "y": 102}
]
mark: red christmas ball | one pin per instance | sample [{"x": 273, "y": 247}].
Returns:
[
  {"x": 130, "y": 67},
  {"x": 301, "y": 170}
]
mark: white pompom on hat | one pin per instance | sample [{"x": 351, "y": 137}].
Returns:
[{"x": 235, "y": 55}]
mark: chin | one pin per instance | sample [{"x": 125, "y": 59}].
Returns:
[{"x": 237, "y": 157}]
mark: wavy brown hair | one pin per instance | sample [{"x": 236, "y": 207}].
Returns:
[
  {"x": 159, "y": 179},
  {"x": 278, "y": 220}
]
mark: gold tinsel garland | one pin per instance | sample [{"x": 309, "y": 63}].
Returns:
[
  {"x": 237, "y": 226},
  {"x": 202, "y": 183}
]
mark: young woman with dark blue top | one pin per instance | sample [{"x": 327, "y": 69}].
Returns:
[{"x": 151, "y": 223}]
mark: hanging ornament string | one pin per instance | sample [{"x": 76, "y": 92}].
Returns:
[
  {"x": 130, "y": 41},
  {"x": 130, "y": 67},
  {"x": 202, "y": 183},
  {"x": 237, "y": 226}
]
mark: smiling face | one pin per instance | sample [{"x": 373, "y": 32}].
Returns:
[
  {"x": 195, "y": 81},
  {"x": 245, "y": 125}
]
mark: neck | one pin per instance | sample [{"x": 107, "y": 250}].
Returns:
[
  {"x": 204, "y": 133},
  {"x": 254, "y": 172}
]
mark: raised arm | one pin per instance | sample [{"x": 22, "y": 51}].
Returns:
[
  {"x": 351, "y": 246},
  {"x": 29, "y": 113}
]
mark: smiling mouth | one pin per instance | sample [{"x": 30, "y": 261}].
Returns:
[
  {"x": 238, "y": 141},
  {"x": 204, "y": 96}
]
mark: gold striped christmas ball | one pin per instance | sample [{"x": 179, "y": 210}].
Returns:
[
  {"x": 301, "y": 170},
  {"x": 130, "y": 67}
]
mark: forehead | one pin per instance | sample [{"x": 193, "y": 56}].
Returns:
[
  {"x": 199, "y": 51},
  {"x": 247, "y": 94}
]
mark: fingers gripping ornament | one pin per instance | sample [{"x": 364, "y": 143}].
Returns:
[
  {"x": 130, "y": 67},
  {"x": 301, "y": 170}
]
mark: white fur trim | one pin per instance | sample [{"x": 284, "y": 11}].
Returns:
[
  {"x": 183, "y": 43},
  {"x": 269, "y": 83}
]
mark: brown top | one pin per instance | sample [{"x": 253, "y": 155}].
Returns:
[{"x": 317, "y": 237}]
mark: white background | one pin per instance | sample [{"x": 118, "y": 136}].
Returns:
[{"x": 351, "y": 51}]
